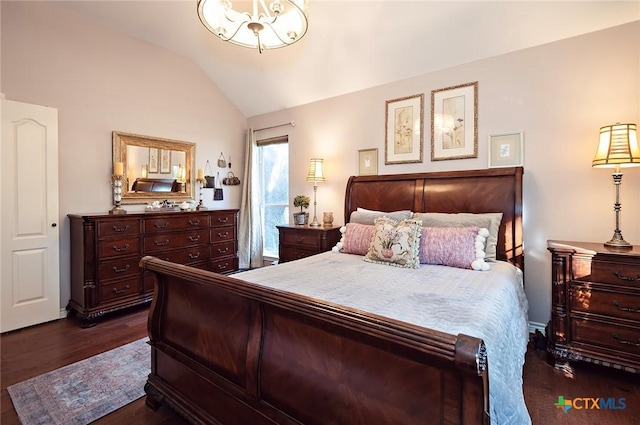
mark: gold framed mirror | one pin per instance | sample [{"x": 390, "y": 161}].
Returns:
[{"x": 155, "y": 169}]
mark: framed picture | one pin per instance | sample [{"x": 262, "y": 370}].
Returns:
[
  {"x": 454, "y": 122},
  {"x": 403, "y": 130},
  {"x": 367, "y": 162},
  {"x": 506, "y": 149},
  {"x": 165, "y": 161},
  {"x": 153, "y": 160}
]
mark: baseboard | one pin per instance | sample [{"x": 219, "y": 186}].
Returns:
[
  {"x": 535, "y": 326},
  {"x": 63, "y": 313}
]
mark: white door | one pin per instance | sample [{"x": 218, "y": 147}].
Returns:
[{"x": 29, "y": 262}]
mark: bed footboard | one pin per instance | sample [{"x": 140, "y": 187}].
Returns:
[{"x": 224, "y": 351}]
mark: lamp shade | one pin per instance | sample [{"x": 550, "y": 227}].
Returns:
[
  {"x": 316, "y": 170},
  {"x": 618, "y": 147}
]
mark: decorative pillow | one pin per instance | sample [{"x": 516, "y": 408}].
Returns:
[
  {"x": 490, "y": 221},
  {"x": 368, "y": 216},
  {"x": 355, "y": 239},
  {"x": 461, "y": 247},
  {"x": 395, "y": 243}
]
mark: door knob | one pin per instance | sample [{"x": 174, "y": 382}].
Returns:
[{"x": 54, "y": 224}]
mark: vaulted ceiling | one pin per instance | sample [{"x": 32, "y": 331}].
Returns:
[{"x": 356, "y": 44}]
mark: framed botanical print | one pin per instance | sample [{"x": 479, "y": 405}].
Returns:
[
  {"x": 454, "y": 122},
  {"x": 153, "y": 160},
  {"x": 165, "y": 161},
  {"x": 403, "y": 130}
]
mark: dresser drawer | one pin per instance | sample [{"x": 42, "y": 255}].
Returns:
[
  {"x": 300, "y": 238},
  {"x": 223, "y": 233},
  {"x": 118, "y": 247},
  {"x": 223, "y": 218},
  {"x": 120, "y": 289},
  {"x": 223, "y": 249},
  {"x": 587, "y": 299},
  {"x": 166, "y": 224},
  {"x": 120, "y": 228},
  {"x": 185, "y": 255},
  {"x": 119, "y": 268},
  {"x": 600, "y": 334},
  {"x": 620, "y": 272},
  {"x": 172, "y": 240},
  {"x": 225, "y": 265}
]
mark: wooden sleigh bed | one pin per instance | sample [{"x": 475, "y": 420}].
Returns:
[{"x": 226, "y": 351}]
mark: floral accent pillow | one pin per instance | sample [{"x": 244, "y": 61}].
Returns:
[
  {"x": 356, "y": 238},
  {"x": 462, "y": 247},
  {"x": 395, "y": 243}
]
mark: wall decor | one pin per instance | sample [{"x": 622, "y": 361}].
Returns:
[
  {"x": 403, "y": 130},
  {"x": 153, "y": 160},
  {"x": 454, "y": 122},
  {"x": 165, "y": 161},
  {"x": 368, "y": 162},
  {"x": 506, "y": 149}
]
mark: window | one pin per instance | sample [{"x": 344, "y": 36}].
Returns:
[{"x": 273, "y": 157}]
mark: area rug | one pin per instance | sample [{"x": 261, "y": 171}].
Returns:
[{"x": 82, "y": 392}]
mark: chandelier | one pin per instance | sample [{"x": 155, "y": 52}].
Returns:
[{"x": 254, "y": 24}]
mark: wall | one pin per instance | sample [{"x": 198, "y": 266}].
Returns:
[
  {"x": 559, "y": 94},
  {"x": 103, "y": 81}
]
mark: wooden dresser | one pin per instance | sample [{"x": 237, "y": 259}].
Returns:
[
  {"x": 595, "y": 306},
  {"x": 106, "y": 249},
  {"x": 297, "y": 242}
]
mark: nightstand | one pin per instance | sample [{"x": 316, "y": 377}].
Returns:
[
  {"x": 595, "y": 304},
  {"x": 302, "y": 241}
]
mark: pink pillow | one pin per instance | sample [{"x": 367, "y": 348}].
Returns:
[
  {"x": 357, "y": 238},
  {"x": 453, "y": 246}
]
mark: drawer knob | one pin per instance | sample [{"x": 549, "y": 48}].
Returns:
[
  {"x": 158, "y": 243},
  {"x": 194, "y": 222},
  {"x": 623, "y": 277},
  {"x": 616, "y": 304},
  {"x": 223, "y": 220},
  {"x": 120, "y": 291},
  {"x": 194, "y": 256},
  {"x": 194, "y": 238},
  {"x": 223, "y": 235},
  {"x": 622, "y": 341},
  {"x": 223, "y": 251},
  {"x": 300, "y": 239},
  {"x": 120, "y": 229},
  {"x": 117, "y": 270},
  {"x": 223, "y": 266},
  {"x": 120, "y": 249},
  {"x": 161, "y": 225}
]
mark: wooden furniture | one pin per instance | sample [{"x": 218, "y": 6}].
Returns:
[
  {"x": 226, "y": 351},
  {"x": 302, "y": 241},
  {"x": 595, "y": 310},
  {"x": 106, "y": 249}
]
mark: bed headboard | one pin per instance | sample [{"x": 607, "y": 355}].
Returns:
[{"x": 472, "y": 191}]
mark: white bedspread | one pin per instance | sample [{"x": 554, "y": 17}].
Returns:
[{"x": 489, "y": 305}]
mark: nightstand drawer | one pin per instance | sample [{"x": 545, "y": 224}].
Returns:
[
  {"x": 617, "y": 273},
  {"x": 617, "y": 304},
  {"x": 300, "y": 238},
  {"x": 615, "y": 337}
]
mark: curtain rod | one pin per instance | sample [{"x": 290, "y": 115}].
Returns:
[{"x": 291, "y": 123}]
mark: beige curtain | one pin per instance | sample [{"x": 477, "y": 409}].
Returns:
[{"x": 250, "y": 231}]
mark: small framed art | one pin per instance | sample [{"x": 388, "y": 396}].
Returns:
[
  {"x": 368, "y": 162},
  {"x": 165, "y": 161},
  {"x": 403, "y": 130},
  {"x": 153, "y": 160},
  {"x": 454, "y": 122},
  {"x": 506, "y": 149}
]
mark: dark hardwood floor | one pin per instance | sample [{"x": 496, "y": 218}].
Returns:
[{"x": 32, "y": 351}]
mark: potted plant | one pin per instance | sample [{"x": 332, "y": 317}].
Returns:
[{"x": 301, "y": 217}]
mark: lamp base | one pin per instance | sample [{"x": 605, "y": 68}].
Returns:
[
  {"x": 617, "y": 241},
  {"x": 117, "y": 210}
]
